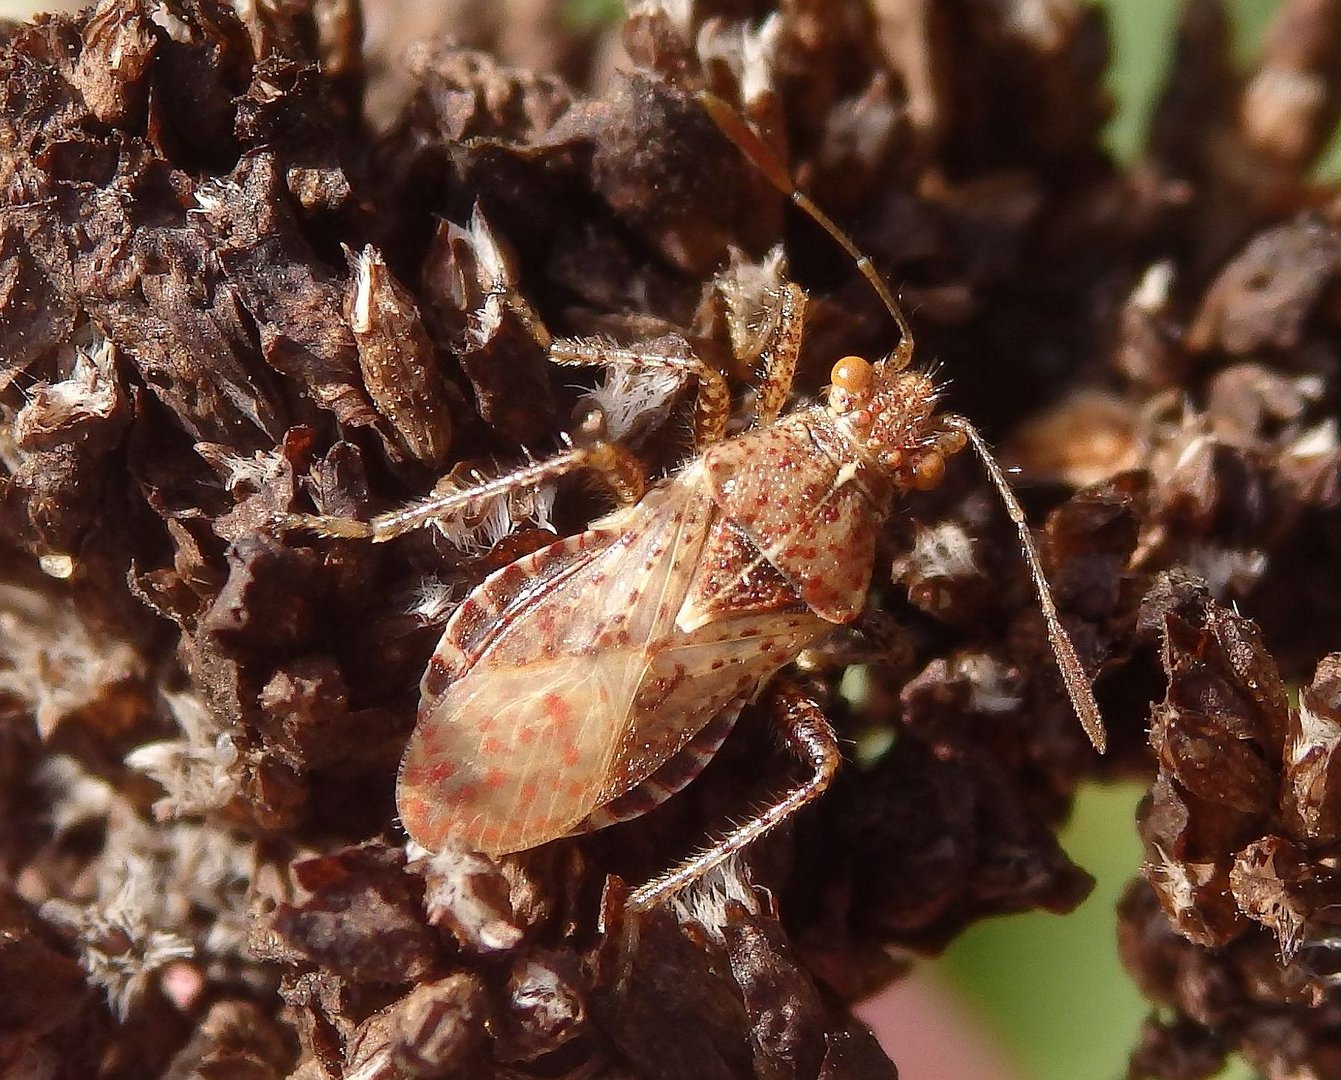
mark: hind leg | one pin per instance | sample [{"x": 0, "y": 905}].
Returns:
[{"x": 809, "y": 737}]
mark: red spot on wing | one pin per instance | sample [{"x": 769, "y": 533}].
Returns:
[
  {"x": 413, "y": 811},
  {"x": 557, "y": 709},
  {"x": 511, "y": 717}
]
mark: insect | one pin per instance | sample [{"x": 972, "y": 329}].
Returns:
[{"x": 588, "y": 681}]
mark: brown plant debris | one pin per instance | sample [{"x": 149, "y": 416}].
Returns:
[
  {"x": 248, "y": 270},
  {"x": 1235, "y": 927}
]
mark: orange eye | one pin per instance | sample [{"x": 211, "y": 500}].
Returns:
[
  {"x": 854, "y": 375},
  {"x": 929, "y": 472}
]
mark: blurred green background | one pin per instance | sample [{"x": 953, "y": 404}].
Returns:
[
  {"x": 1142, "y": 32},
  {"x": 1052, "y": 988}
]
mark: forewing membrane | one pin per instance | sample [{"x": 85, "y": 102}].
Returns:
[
  {"x": 689, "y": 680},
  {"x": 510, "y": 761},
  {"x": 520, "y": 747}
]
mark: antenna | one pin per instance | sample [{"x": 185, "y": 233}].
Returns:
[
  {"x": 1068, "y": 663},
  {"x": 729, "y": 121}
]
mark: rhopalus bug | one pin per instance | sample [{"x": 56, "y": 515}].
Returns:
[{"x": 588, "y": 681}]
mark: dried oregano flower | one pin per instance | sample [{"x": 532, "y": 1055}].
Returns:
[{"x": 248, "y": 269}]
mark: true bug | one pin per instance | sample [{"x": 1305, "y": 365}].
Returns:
[{"x": 588, "y": 681}]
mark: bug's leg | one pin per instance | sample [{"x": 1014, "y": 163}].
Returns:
[
  {"x": 712, "y": 405},
  {"x": 778, "y": 353},
  {"x": 734, "y": 127},
  {"x": 620, "y": 469},
  {"x": 812, "y": 740}
]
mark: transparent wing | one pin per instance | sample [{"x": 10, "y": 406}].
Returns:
[
  {"x": 510, "y": 761},
  {"x": 695, "y": 676},
  {"x": 518, "y": 748}
]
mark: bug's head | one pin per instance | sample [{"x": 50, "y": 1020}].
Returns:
[{"x": 889, "y": 414}]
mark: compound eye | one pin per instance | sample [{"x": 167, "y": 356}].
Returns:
[
  {"x": 930, "y": 471},
  {"x": 854, "y": 375}
]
